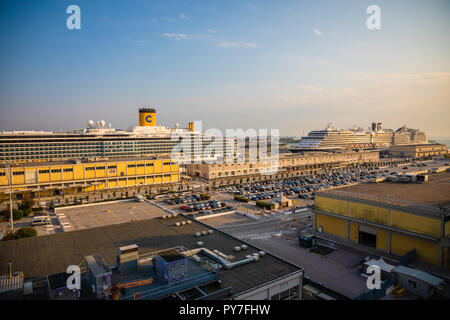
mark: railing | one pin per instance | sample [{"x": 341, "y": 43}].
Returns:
[
  {"x": 396, "y": 202},
  {"x": 168, "y": 289}
]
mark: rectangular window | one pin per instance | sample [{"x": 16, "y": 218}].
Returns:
[
  {"x": 100, "y": 168},
  {"x": 68, "y": 169},
  {"x": 89, "y": 168},
  {"x": 149, "y": 164},
  {"x": 131, "y": 166},
  {"x": 44, "y": 171},
  {"x": 2, "y": 174},
  {"x": 166, "y": 163},
  {"x": 112, "y": 167},
  {"x": 18, "y": 173},
  {"x": 56, "y": 170}
]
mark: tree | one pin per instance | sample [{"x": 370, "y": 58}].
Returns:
[{"x": 26, "y": 204}]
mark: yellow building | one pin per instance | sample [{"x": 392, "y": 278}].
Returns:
[
  {"x": 287, "y": 163},
  {"x": 418, "y": 150},
  {"x": 46, "y": 179},
  {"x": 376, "y": 216}
]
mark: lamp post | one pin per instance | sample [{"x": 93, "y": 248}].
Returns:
[{"x": 10, "y": 196}]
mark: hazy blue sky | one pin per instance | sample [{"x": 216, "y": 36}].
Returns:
[{"x": 294, "y": 65}]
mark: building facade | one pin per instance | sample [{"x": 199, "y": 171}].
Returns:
[
  {"x": 418, "y": 150},
  {"x": 44, "y": 180},
  {"x": 287, "y": 164}
]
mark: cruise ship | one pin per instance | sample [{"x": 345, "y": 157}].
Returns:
[
  {"x": 98, "y": 141},
  {"x": 332, "y": 139}
]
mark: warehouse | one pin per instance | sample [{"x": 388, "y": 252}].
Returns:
[{"x": 403, "y": 220}]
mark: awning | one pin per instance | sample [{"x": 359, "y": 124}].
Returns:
[
  {"x": 420, "y": 275},
  {"x": 381, "y": 264}
]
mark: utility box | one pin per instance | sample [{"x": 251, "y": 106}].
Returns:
[
  {"x": 170, "y": 266},
  {"x": 128, "y": 259},
  {"x": 307, "y": 240},
  {"x": 98, "y": 274}
]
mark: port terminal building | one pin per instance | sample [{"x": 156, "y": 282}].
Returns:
[
  {"x": 288, "y": 165},
  {"x": 77, "y": 178}
]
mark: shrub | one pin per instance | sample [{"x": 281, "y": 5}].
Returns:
[
  {"x": 241, "y": 199},
  {"x": 265, "y": 205},
  {"x": 27, "y": 212},
  {"x": 26, "y": 232}
]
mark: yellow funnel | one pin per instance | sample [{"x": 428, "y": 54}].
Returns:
[{"x": 147, "y": 117}]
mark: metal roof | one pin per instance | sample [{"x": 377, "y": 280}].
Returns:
[{"x": 426, "y": 277}]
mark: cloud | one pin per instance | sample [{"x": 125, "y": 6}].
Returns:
[
  {"x": 178, "y": 36},
  {"x": 240, "y": 44},
  {"x": 156, "y": 20},
  {"x": 310, "y": 88},
  {"x": 318, "y": 32},
  {"x": 184, "y": 17},
  {"x": 210, "y": 30},
  {"x": 301, "y": 60}
]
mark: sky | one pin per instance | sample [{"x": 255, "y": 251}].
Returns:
[{"x": 289, "y": 65}]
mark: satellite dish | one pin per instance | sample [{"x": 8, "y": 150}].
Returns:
[
  {"x": 102, "y": 123},
  {"x": 90, "y": 123}
]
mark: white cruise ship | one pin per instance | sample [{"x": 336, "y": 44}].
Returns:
[{"x": 332, "y": 139}]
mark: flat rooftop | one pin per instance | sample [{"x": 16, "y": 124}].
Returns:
[
  {"x": 435, "y": 193},
  {"x": 84, "y": 161},
  {"x": 99, "y": 215},
  {"x": 52, "y": 254}
]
